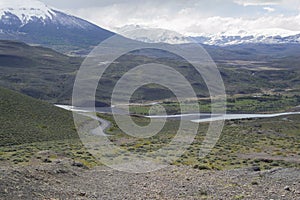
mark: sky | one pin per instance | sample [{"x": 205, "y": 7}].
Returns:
[{"x": 188, "y": 17}]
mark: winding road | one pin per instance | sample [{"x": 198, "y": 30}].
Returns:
[{"x": 104, "y": 124}]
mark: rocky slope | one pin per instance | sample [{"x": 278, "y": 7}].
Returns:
[{"x": 63, "y": 180}]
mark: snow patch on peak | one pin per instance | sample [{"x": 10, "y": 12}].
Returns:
[
  {"x": 151, "y": 35},
  {"x": 26, "y": 10}
]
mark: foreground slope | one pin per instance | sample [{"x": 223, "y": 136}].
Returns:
[
  {"x": 258, "y": 176},
  {"x": 49, "y": 182}
]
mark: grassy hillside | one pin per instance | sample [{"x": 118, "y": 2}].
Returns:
[{"x": 26, "y": 120}]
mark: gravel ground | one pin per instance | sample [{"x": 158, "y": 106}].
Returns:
[{"x": 66, "y": 180}]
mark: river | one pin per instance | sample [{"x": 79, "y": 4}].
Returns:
[{"x": 194, "y": 117}]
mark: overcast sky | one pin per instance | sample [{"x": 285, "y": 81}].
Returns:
[{"x": 189, "y": 17}]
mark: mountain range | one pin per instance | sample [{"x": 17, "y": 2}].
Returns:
[
  {"x": 231, "y": 37},
  {"x": 33, "y": 22},
  {"x": 263, "y": 36}
]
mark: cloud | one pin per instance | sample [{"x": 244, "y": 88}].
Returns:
[
  {"x": 187, "y": 21},
  {"x": 188, "y": 17},
  {"x": 257, "y": 2},
  {"x": 269, "y": 9},
  {"x": 285, "y": 4},
  {"x": 215, "y": 25}
]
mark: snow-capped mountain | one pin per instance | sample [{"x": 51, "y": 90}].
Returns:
[
  {"x": 152, "y": 35},
  {"x": 232, "y": 37},
  {"x": 32, "y": 21}
]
